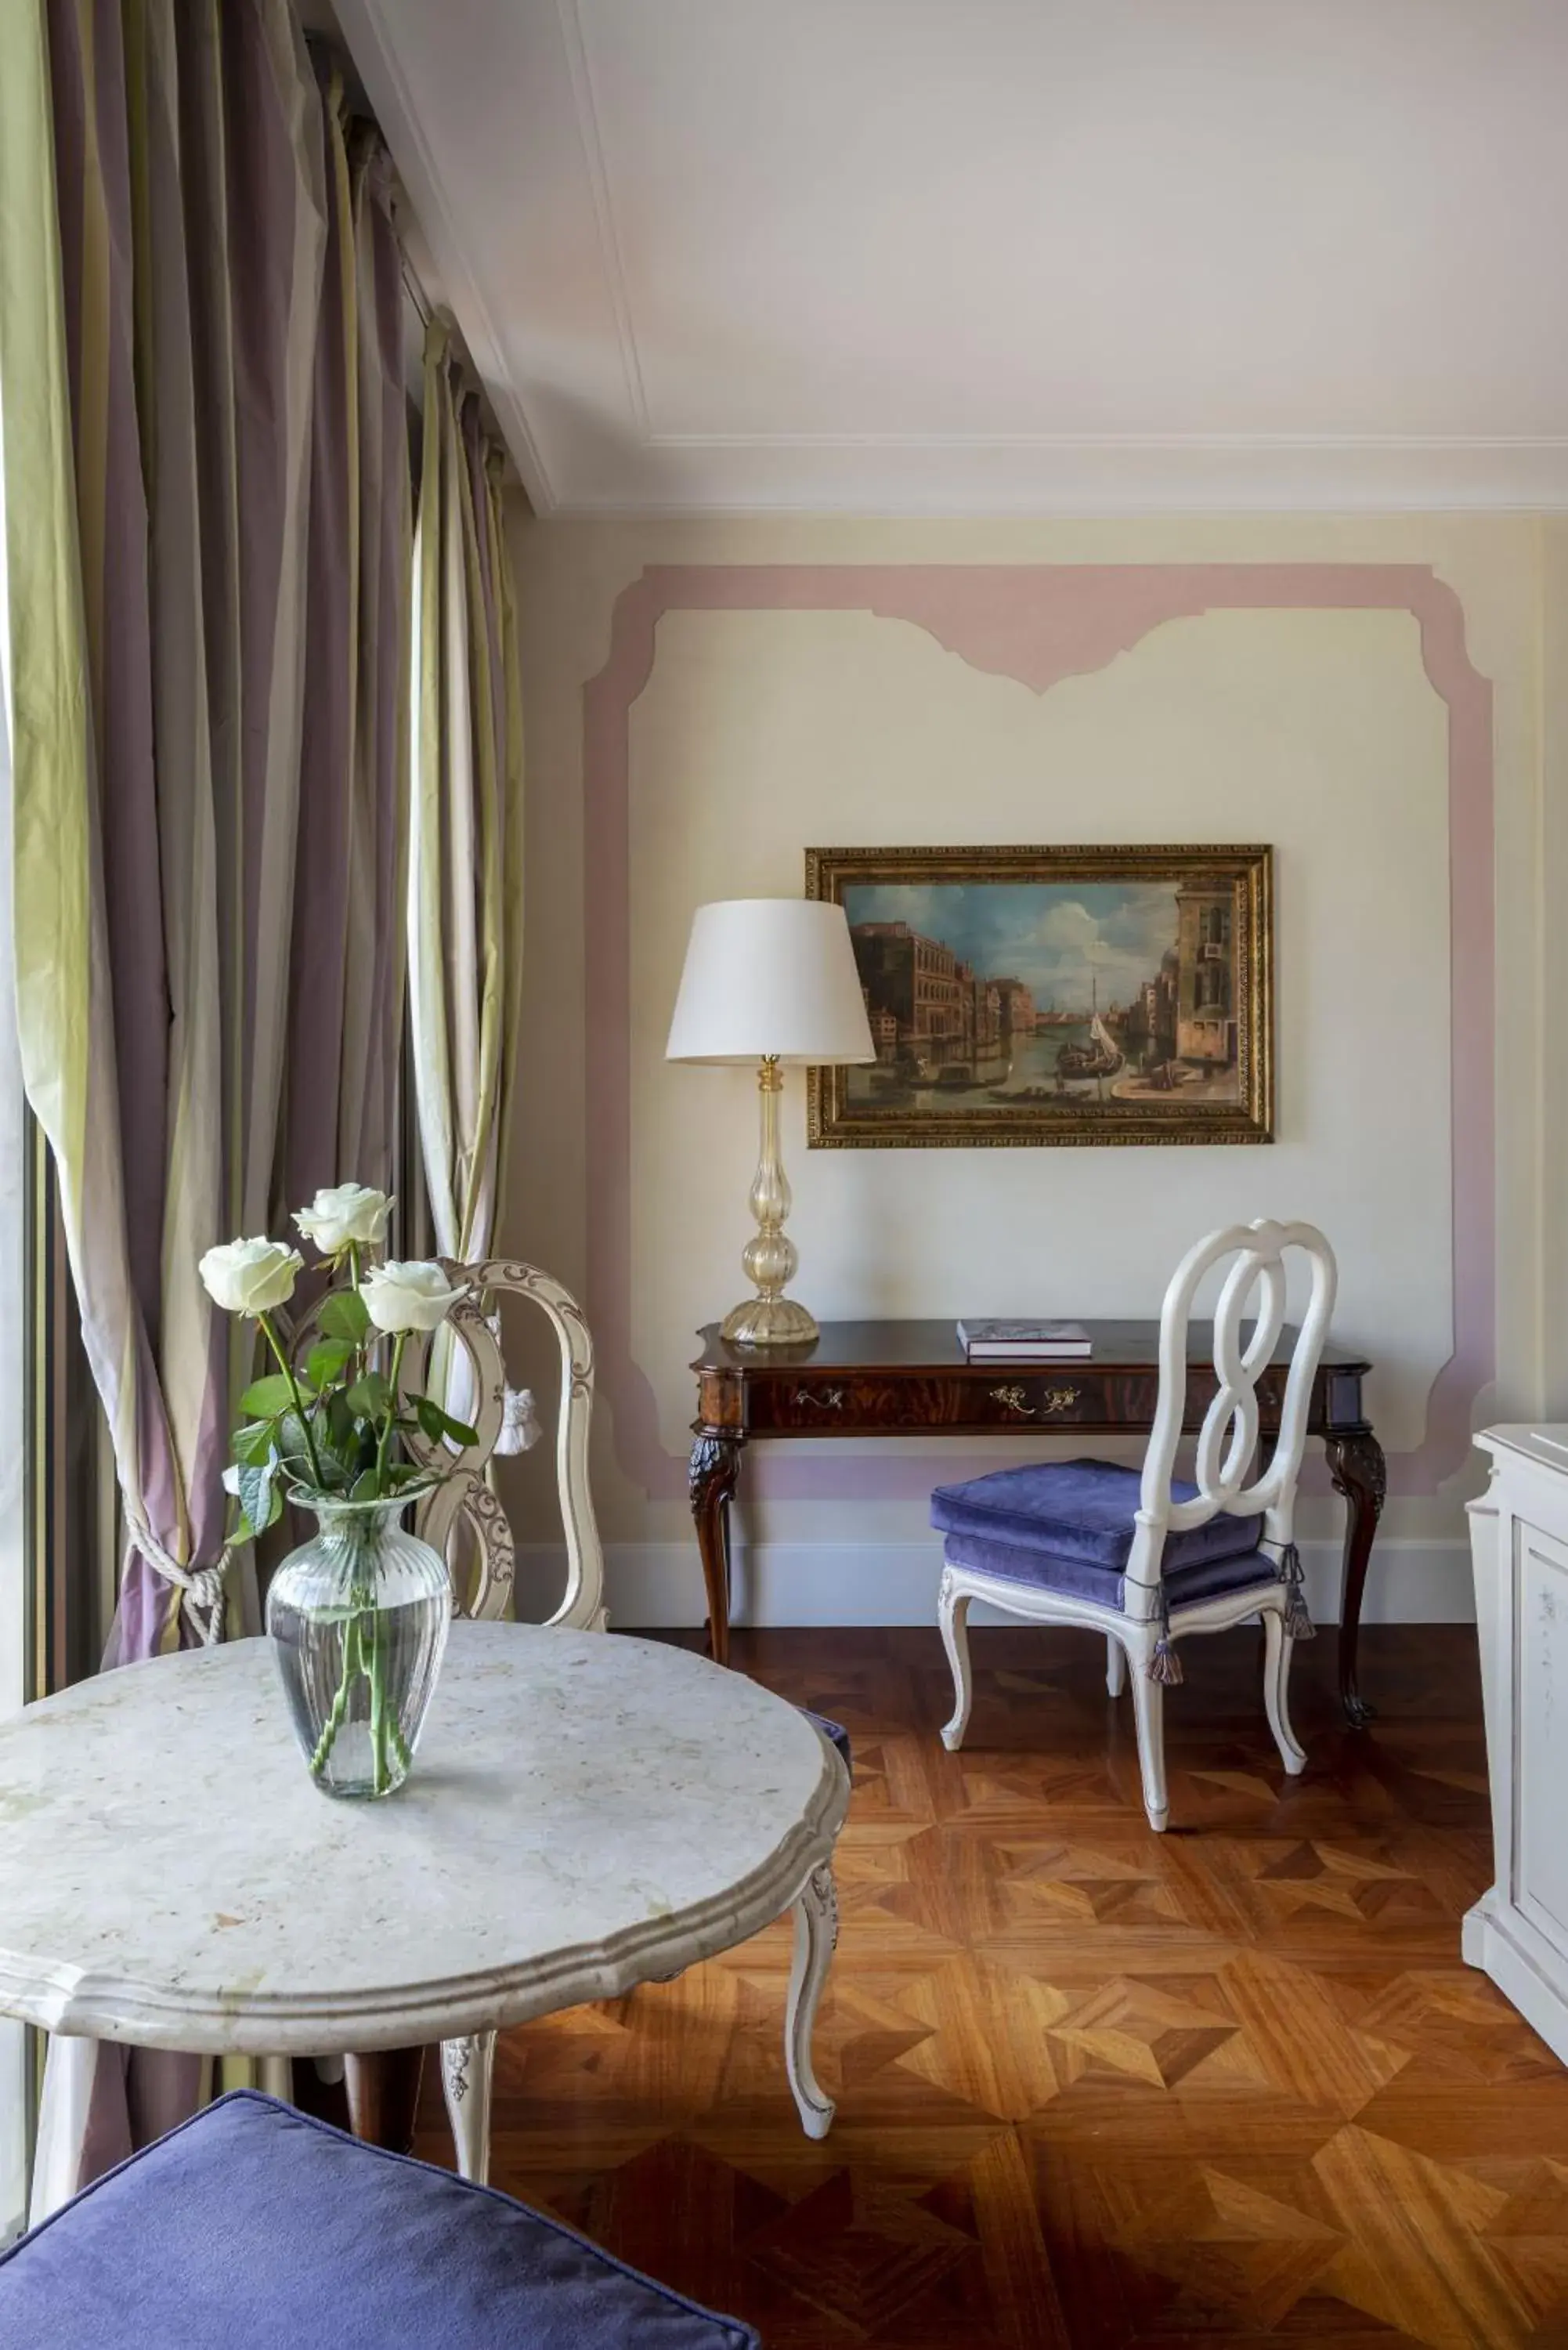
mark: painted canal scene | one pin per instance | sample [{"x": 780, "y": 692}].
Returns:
[{"x": 1104, "y": 1004}]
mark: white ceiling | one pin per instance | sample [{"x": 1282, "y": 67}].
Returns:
[{"x": 998, "y": 256}]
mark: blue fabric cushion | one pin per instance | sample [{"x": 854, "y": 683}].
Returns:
[
  {"x": 835, "y": 1733},
  {"x": 1081, "y": 1509},
  {"x": 255, "y": 2228},
  {"x": 1080, "y": 1578}
]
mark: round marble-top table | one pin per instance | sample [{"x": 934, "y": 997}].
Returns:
[{"x": 586, "y": 1812}]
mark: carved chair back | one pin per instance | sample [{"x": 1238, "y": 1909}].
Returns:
[
  {"x": 1228, "y": 1438},
  {"x": 463, "y": 1512}
]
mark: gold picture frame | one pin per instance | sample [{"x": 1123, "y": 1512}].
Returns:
[{"x": 974, "y": 999}]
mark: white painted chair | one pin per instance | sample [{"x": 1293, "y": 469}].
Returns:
[
  {"x": 466, "y": 1505},
  {"x": 1146, "y": 1560}
]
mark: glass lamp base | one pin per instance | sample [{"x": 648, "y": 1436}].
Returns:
[{"x": 769, "y": 1321}]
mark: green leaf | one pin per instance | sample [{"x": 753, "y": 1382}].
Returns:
[
  {"x": 261, "y": 1497},
  {"x": 340, "y": 1430},
  {"x": 254, "y": 1443},
  {"x": 265, "y": 1399},
  {"x": 437, "y": 1424},
  {"x": 344, "y": 1316},
  {"x": 369, "y": 1396},
  {"x": 323, "y": 1362},
  {"x": 366, "y": 1488}
]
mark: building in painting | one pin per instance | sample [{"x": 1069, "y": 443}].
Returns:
[
  {"x": 1017, "y": 1006},
  {"x": 1206, "y": 1008},
  {"x": 1149, "y": 1027},
  {"x": 948, "y": 1023}
]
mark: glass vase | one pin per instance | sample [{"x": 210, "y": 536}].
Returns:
[{"x": 358, "y": 1616}]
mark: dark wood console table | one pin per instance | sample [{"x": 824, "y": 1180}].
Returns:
[{"x": 911, "y": 1378}]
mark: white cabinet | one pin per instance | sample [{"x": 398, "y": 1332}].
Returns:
[{"x": 1518, "y": 1931}]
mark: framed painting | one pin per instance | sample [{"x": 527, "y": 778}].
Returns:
[{"x": 1053, "y": 995}]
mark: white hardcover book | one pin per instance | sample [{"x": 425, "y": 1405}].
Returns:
[{"x": 1024, "y": 1341}]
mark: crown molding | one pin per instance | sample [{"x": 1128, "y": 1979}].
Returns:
[{"x": 974, "y": 475}]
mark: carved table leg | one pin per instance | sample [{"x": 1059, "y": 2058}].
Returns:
[
  {"x": 466, "y": 2066},
  {"x": 815, "y": 1938},
  {"x": 1359, "y": 1471},
  {"x": 384, "y": 2096},
  {"x": 715, "y": 1470}
]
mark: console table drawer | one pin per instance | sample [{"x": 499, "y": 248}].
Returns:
[
  {"x": 801, "y": 1401},
  {"x": 826, "y": 1404}
]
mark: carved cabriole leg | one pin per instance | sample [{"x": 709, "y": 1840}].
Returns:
[
  {"x": 816, "y": 1938},
  {"x": 952, "y": 1616},
  {"x": 1277, "y": 1647},
  {"x": 1359, "y": 1471},
  {"x": 1116, "y": 1665},
  {"x": 1149, "y": 1712},
  {"x": 711, "y": 1477},
  {"x": 466, "y": 2067}
]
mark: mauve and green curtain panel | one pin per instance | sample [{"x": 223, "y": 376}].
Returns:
[
  {"x": 208, "y": 538},
  {"x": 465, "y": 898}
]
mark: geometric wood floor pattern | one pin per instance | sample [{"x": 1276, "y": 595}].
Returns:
[{"x": 1230, "y": 2085}]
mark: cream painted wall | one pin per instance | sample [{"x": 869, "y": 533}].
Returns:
[{"x": 759, "y": 732}]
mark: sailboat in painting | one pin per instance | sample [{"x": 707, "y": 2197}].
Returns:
[{"x": 1102, "y": 1056}]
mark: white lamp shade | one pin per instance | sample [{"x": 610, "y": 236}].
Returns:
[{"x": 770, "y": 976}]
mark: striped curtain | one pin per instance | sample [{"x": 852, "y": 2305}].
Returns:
[
  {"x": 465, "y": 902},
  {"x": 207, "y": 512}
]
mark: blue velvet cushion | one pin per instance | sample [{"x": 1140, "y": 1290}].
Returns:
[
  {"x": 255, "y": 2228},
  {"x": 1081, "y": 1511},
  {"x": 1079, "y": 1578}
]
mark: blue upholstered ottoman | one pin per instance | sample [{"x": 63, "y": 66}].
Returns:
[{"x": 255, "y": 2228}]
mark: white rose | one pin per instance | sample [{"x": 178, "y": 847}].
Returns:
[
  {"x": 351, "y": 1211},
  {"x": 251, "y": 1276},
  {"x": 408, "y": 1296}
]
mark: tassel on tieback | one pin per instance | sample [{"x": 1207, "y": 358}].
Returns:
[
  {"x": 1298, "y": 1616},
  {"x": 1165, "y": 1665}
]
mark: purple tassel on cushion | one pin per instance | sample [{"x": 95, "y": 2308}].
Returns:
[
  {"x": 1299, "y": 1625},
  {"x": 1165, "y": 1665}
]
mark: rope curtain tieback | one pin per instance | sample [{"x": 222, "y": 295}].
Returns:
[{"x": 201, "y": 1587}]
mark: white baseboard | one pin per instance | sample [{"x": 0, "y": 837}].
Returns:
[{"x": 658, "y": 1586}]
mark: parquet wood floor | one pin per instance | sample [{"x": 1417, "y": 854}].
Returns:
[{"x": 1096, "y": 2088}]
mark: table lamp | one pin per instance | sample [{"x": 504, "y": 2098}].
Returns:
[{"x": 770, "y": 981}]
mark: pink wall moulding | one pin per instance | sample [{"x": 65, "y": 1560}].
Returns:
[{"x": 1037, "y": 623}]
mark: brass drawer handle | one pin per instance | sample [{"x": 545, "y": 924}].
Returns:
[
  {"x": 821, "y": 1400},
  {"x": 1016, "y": 1398}
]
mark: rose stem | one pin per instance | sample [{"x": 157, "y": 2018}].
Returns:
[
  {"x": 287, "y": 1367},
  {"x": 378, "y": 1709},
  {"x": 400, "y": 1341},
  {"x": 333, "y": 1723}
]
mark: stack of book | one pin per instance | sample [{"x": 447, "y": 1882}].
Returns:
[{"x": 1024, "y": 1342}]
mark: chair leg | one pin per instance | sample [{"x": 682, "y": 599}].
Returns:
[
  {"x": 953, "y": 1616},
  {"x": 1148, "y": 1711},
  {"x": 1277, "y": 1646},
  {"x": 465, "y": 2070},
  {"x": 1116, "y": 1665}
]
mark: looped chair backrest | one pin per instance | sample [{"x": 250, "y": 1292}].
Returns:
[
  {"x": 1228, "y": 1438},
  {"x": 465, "y": 1495}
]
